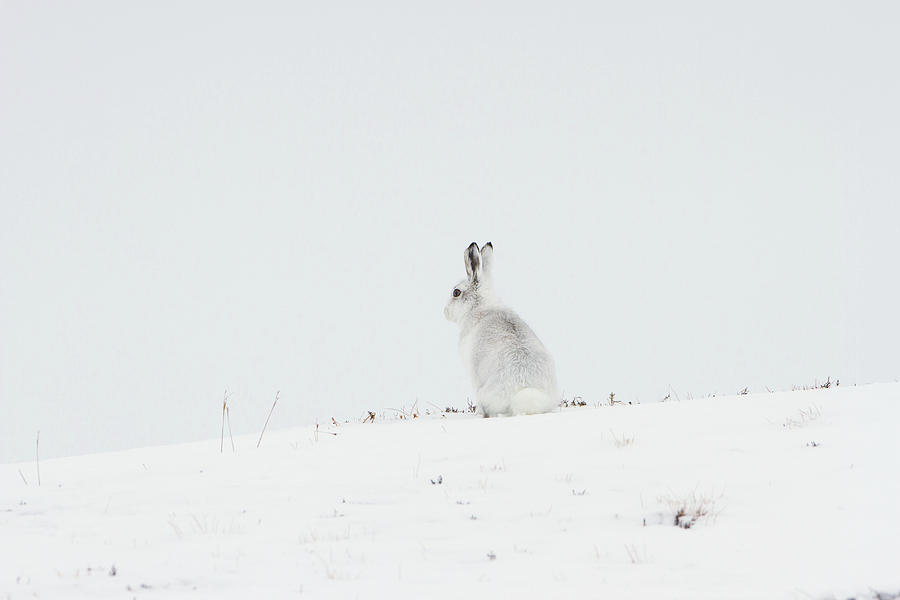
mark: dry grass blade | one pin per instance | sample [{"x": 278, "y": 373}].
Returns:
[
  {"x": 224, "y": 406},
  {"x": 259, "y": 441},
  {"x": 228, "y": 418}
]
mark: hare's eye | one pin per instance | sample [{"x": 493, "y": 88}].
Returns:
[{"x": 456, "y": 293}]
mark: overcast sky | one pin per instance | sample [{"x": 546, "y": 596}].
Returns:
[{"x": 193, "y": 197}]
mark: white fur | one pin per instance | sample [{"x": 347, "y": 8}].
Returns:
[{"x": 511, "y": 370}]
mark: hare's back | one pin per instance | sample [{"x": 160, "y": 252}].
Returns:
[
  {"x": 504, "y": 328},
  {"x": 508, "y": 344}
]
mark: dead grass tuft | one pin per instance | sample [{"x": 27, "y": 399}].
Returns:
[
  {"x": 688, "y": 509},
  {"x": 817, "y": 386},
  {"x": 803, "y": 417},
  {"x": 623, "y": 441},
  {"x": 574, "y": 402},
  {"x": 636, "y": 556}
]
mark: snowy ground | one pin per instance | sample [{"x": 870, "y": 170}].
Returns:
[{"x": 801, "y": 491}]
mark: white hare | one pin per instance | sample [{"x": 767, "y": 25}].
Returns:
[{"x": 512, "y": 372}]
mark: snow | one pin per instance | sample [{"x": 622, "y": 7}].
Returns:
[{"x": 800, "y": 491}]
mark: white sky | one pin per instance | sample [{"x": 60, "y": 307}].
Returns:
[{"x": 195, "y": 197}]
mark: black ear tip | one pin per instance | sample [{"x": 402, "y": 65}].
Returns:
[
  {"x": 474, "y": 246},
  {"x": 489, "y": 245}
]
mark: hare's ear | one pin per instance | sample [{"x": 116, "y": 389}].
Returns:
[
  {"x": 473, "y": 262},
  {"x": 487, "y": 259}
]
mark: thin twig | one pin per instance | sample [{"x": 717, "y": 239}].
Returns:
[
  {"x": 228, "y": 418},
  {"x": 224, "y": 404},
  {"x": 37, "y": 459},
  {"x": 22, "y": 475},
  {"x": 325, "y": 432},
  {"x": 267, "y": 419},
  {"x": 671, "y": 389}
]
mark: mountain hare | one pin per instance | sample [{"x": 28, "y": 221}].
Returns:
[{"x": 512, "y": 372}]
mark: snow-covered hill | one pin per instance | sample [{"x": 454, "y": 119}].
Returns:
[{"x": 784, "y": 495}]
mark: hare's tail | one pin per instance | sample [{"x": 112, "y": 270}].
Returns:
[{"x": 531, "y": 401}]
